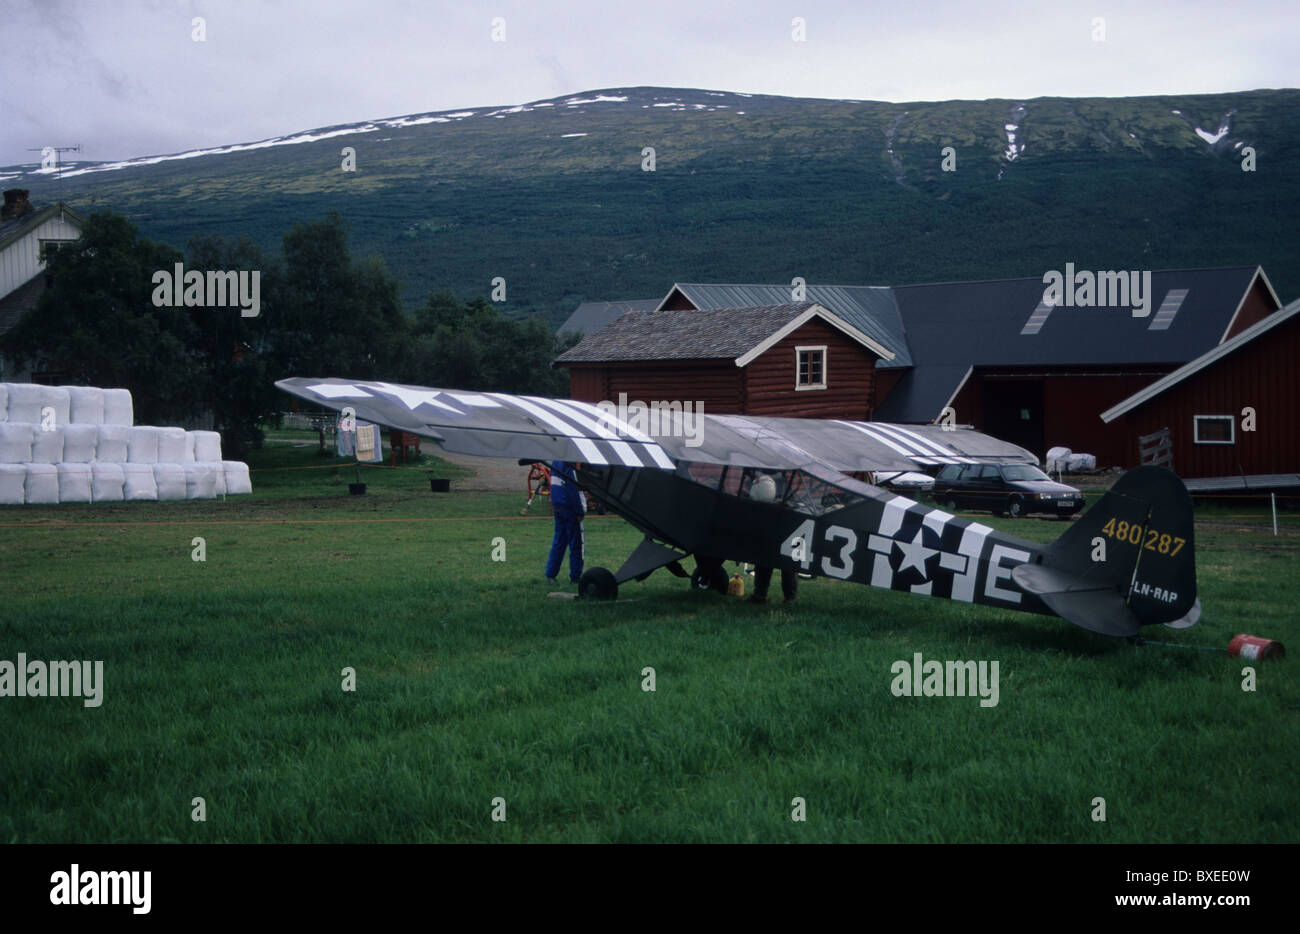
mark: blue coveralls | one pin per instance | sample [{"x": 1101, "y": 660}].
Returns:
[{"x": 566, "y": 505}]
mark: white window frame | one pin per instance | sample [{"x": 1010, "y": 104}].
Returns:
[
  {"x": 810, "y": 348},
  {"x": 1196, "y": 428}
]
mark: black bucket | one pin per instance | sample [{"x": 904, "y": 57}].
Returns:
[
  {"x": 357, "y": 489},
  {"x": 439, "y": 485}
]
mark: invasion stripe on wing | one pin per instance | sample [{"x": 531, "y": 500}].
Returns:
[
  {"x": 923, "y": 443},
  {"x": 621, "y": 448},
  {"x": 591, "y": 454},
  {"x": 602, "y": 418}
]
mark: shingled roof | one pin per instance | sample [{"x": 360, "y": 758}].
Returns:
[
  {"x": 713, "y": 334},
  {"x": 870, "y": 309}
]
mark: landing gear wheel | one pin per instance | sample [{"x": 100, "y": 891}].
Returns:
[
  {"x": 597, "y": 584},
  {"x": 1015, "y": 507},
  {"x": 709, "y": 576}
]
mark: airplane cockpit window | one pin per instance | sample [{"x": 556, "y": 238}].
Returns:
[{"x": 801, "y": 490}]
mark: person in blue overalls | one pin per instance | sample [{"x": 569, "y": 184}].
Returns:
[{"x": 568, "y": 506}]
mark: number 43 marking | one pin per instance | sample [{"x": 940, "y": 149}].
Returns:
[{"x": 796, "y": 549}]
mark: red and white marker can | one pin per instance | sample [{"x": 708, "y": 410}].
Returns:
[{"x": 1254, "y": 648}]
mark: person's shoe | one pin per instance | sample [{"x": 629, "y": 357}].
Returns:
[
  {"x": 789, "y": 600},
  {"x": 756, "y": 599},
  {"x": 550, "y": 580}
]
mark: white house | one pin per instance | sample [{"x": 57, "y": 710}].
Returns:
[{"x": 26, "y": 235}]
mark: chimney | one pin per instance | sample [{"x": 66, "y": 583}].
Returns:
[{"x": 16, "y": 204}]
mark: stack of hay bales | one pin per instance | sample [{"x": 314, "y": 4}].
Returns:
[{"x": 77, "y": 444}]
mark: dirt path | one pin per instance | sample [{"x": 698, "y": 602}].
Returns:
[{"x": 493, "y": 474}]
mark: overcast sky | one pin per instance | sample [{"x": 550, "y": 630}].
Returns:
[{"x": 127, "y": 78}]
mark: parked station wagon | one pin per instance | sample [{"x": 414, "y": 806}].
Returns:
[{"x": 1004, "y": 489}]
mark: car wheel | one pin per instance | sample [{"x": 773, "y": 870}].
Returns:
[
  {"x": 1015, "y": 507},
  {"x": 597, "y": 584}
]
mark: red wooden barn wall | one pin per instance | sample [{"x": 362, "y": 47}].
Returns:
[
  {"x": 1255, "y": 308},
  {"x": 850, "y": 376},
  {"x": 1262, "y": 375},
  {"x": 764, "y": 387}
]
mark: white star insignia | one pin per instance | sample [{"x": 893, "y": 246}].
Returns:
[
  {"x": 414, "y": 396},
  {"x": 336, "y": 391},
  {"x": 915, "y": 554}
]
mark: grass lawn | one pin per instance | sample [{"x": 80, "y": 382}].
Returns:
[{"x": 222, "y": 680}]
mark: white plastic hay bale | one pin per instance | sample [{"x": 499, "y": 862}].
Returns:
[
  {"x": 1056, "y": 459},
  {"x": 108, "y": 483},
  {"x": 25, "y": 401},
  {"x": 13, "y": 477},
  {"x": 57, "y": 398},
  {"x": 4, "y": 402},
  {"x": 1079, "y": 463},
  {"x": 41, "y": 487},
  {"x": 80, "y": 443},
  {"x": 16, "y": 442},
  {"x": 142, "y": 447},
  {"x": 237, "y": 480},
  {"x": 218, "y": 478},
  {"x": 47, "y": 446},
  {"x": 74, "y": 483},
  {"x": 201, "y": 480},
  {"x": 86, "y": 405},
  {"x": 171, "y": 445},
  {"x": 170, "y": 479},
  {"x": 112, "y": 444},
  {"x": 117, "y": 407},
  {"x": 206, "y": 446},
  {"x": 138, "y": 482}
]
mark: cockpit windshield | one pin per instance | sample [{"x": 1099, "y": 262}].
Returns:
[{"x": 813, "y": 490}]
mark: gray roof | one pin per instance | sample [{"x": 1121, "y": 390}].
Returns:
[
  {"x": 590, "y": 317},
  {"x": 1201, "y": 362},
  {"x": 715, "y": 334},
  {"x": 952, "y": 326},
  {"x": 20, "y": 301},
  {"x": 15, "y": 227},
  {"x": 869, "y": 308}
]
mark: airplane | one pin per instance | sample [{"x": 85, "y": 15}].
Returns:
[{"x": 777, "y": 492}]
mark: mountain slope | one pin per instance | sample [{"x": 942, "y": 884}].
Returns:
[{"x": 551, "y": 195}]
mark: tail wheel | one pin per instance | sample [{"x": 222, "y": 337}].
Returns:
[
  {"x": 1016, "y": 507},
  {"x": 597, "y": 584}
]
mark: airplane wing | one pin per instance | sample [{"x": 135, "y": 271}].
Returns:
[{"x": 533, "y": 427}]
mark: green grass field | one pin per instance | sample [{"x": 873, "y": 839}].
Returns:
[{"x": 222, "y": 680}]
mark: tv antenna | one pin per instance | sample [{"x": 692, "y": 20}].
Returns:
[{"x": 58, "y": 164}]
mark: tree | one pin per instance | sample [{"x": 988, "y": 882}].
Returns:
[
  {"x": 97, "y": 324},
  {"x": 333, "y": 315},
  {"x": 236, "y": 384}
]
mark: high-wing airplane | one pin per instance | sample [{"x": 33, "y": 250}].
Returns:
[{"x": 776, "y": 492}]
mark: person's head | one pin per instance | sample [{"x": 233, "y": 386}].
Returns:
[{"x": 763, "y": 489}]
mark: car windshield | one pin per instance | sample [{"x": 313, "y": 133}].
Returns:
[{"x": 1023, "y": 472}]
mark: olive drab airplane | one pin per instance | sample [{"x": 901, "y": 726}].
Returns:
[{"x": 777, "y": 492}]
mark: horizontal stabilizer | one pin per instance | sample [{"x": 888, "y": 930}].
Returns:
[{"x": 1093, "y": 604}]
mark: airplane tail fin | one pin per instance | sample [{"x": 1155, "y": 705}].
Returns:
[{"x": 1128, "y": 562}]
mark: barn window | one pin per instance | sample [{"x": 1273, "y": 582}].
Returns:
[
  {"x": 1215, "y": 429},
  {"x": 810, "y": 371}
]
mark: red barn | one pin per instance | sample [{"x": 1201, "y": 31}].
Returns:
[
  {"x": 1230, "y": 412},
  {"x": 797, "y": 359}
]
